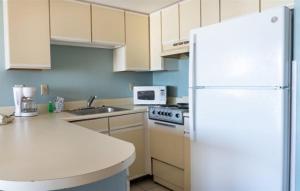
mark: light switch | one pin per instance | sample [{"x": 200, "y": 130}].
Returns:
[{"x": 44, "y": 89}]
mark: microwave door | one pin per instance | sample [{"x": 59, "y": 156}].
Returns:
[{"x": 146, "y": 95}]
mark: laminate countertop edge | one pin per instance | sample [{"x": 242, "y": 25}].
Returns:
[{"x": 47, "y": 152}]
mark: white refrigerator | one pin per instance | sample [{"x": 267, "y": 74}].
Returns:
[{"x": 239, "y": 94}]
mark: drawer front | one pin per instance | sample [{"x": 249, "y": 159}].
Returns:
[
  {"x": 125, "y": 121},
  {"x": 99, "y": 125},
  {"x": 168, "y": 173}
]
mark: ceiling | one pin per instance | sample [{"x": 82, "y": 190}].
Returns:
[{"x": 143, "y": 6}]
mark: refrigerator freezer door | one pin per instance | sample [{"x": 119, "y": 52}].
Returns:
[
  {"x": 241, "y": 140},
  {"x": 248, "y": 51}
]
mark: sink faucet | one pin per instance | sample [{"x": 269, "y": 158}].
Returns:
[{"x": 91, "y": 100}]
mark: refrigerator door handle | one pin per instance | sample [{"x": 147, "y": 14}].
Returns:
[
  {"x": 293, "y": 126},
  {"x": 192, "y": 84}
]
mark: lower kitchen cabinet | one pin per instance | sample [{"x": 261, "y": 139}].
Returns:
[
  {"x": 131, "y": 128},
  {"x": 136, "y": 136},
  {"x": 100, "y": 125},
  {"x": 128, "y": 127}
]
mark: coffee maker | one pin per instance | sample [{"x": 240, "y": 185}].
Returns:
[{"x": 24, "y": 102}]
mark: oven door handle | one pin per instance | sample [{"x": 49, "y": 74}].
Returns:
[{"x": 164, "y": 124}]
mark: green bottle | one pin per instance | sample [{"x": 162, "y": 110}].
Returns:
[{"x": 50, "y": 107}]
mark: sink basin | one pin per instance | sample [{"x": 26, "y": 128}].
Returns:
[{"x": 95, "y": 110}]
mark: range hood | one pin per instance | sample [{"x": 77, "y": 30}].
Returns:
[{"x": 175, "y": 49}]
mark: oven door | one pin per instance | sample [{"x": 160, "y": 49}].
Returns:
[{"x": 167, "y": 142}]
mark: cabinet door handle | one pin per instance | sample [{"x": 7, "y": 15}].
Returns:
[{"x": 164, "y": 124}]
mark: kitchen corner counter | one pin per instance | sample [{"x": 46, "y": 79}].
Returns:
[{"x": 48, "y": 153}]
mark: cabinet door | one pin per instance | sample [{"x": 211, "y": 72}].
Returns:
[
  {"x": 235, "y": 8},
  {"x": 137, "y": 41},
  {"x": 99, "y": 125},
  {"x": 70, "y": 21},
  {"x": 170, "y": 26},
  {"x": 26, "y": 34},
  {"x": 108, "y": 26},
  {"x": 210, "y": 12},
  {"x": 136, "y": 136},
  {"x": 266, "y": 4},
  {"x": 189, "y": 17},
  {"x": 156, "y": 61}
]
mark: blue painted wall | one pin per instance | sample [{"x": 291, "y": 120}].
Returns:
[
  {"x": 297, "y": 57},
  {"x": 76, "y": 74},
  {"x": 115, "y": 183},
  {"x": 176, "y": 80}
]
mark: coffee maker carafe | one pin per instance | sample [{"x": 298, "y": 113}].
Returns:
[{"x": 24, "y": 101}]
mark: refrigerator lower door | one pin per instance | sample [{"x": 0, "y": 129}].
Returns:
[{"x": 241, "y": 140}]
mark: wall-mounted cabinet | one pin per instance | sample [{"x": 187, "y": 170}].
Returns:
[
  {"x": 70, "y": 21},
  {"x": 190, "y": 17},
  {"x": 170, "y": 27},
  {"x": 235, "y": 8},
  {"x": 177, "y": 21},
  {"x": 210, "y": 12},
  {"x": 108, "y": 26},
  {"x": 156, "y": 61},
  {"x": 134, "y": 56},
  {"x": 26, "y": 34},
  {"x": 266, "y": 4}
]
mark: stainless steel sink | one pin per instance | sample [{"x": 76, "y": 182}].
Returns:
[{"x": 96, "y": 110}]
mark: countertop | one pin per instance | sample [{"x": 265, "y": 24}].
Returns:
[{"x": 47, "y": 152}]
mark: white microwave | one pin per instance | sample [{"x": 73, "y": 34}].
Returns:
[{"x": 149, "y": 95}]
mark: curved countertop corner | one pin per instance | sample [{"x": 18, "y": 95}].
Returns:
[{"x": 48, "y": 153}]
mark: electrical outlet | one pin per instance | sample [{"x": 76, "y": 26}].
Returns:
[
  {"x": 44, "y": 89},
  {"x": 130, "y": 86}
]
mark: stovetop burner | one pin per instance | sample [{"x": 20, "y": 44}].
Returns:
[{"x": 168, "y": 113}]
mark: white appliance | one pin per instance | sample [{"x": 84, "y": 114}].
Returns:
[
  {"x": 24, "y": 102},
  {"x": 240, "y": 103},
  {"x": 149, "y": 95}
]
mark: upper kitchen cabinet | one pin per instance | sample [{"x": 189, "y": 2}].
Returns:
[
  {"x": 108, "y": 26},
  {"x": 189, "y": 17},
  {"x": 156, "y": 61},
  {"x": 266, "y": 4},
  {"x": 170, "y": 27},
  {"x": 177, "y": 22},
  {"x": 134, "y": 56},
  {"x": 70, "y": 21},
  {"x": 210, "y": 12},
  {"x": 235, "y": 8},
  {"x": 26, "y": 34}
]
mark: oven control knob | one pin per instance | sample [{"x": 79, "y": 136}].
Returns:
[
  {"x": 177, "y": 115},
  {"x": 153, "y": 112},
  {"x": 159, "y": 113},
  {"x": 170, "y": 114}
]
